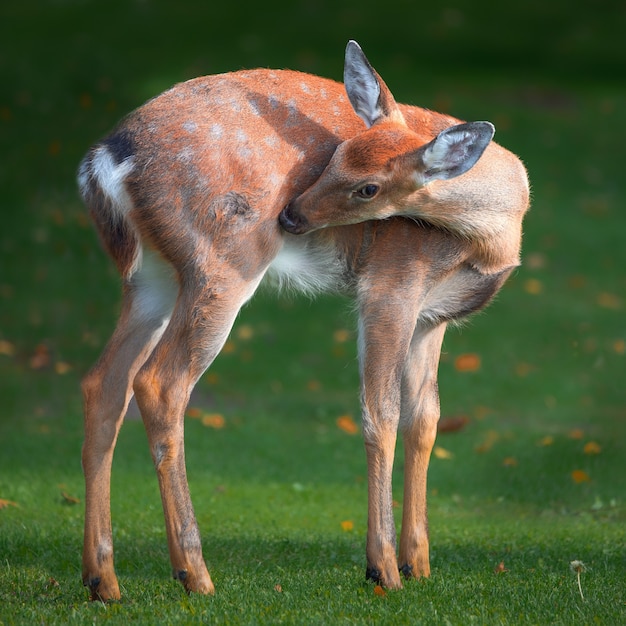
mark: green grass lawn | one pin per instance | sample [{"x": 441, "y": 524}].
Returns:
[{"x": 534, "y": 481}]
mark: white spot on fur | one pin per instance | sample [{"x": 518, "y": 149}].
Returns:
[
  {"x": 216, "y": 131},
  {"x": 186, "y": 155}
]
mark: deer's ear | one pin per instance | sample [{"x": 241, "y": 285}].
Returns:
[
  {"x": 369, "y": 96},
  {"x": 453, "y": 151}
]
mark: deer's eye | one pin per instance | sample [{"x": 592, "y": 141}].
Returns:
[{"x": 367, "y": 191}]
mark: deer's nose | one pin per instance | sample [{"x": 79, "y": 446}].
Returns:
[{"x": 291, "y": 221}]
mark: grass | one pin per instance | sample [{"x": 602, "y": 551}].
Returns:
[{"x": 533, "y": 482}]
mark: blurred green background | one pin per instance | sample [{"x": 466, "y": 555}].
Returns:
[{"x": 551, "y": 75}]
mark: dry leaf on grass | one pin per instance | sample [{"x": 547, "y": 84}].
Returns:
[
  {"x": 452, "y": 424},
  {"x": 467, "y": 363},
  {"x": 592, "y": 447},
  {"x": 69, "y": 499},
  {"x": 7, "y": 348},
  {"x": 347, "y": 424},
  {"x": 214, "y": 420},
  {"x": 580, "y": 476},
  {"x": 548, "y": 440},
  {"x": 41, "y": 357},
  {"x": 533, "y": 286},
  {"x": 490, "y": 438},
  {"x": 442, "y": 453},
  {"x": 341, "y": 335}
]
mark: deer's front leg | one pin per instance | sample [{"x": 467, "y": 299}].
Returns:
[
  {"x": 384, "y": 341},
  {"x": 420, "y": 414}
]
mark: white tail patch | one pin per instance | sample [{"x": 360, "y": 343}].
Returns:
[{"x": 110, "y": 177}]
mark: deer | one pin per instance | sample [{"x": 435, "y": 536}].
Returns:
[{"x": 226, "y": 180}]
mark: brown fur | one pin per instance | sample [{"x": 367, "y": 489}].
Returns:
[{"x": 186, "y": 195}]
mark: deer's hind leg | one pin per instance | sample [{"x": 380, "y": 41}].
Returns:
[
  {"x": 148, "y": 300},
  {"x": 216, "y": 280}
]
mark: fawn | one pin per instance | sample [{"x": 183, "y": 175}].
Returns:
[{"x": 222, "y": 180}]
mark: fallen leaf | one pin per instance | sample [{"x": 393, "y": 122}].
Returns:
[
  {"x": 379, "y": 591},
  {"x": 245, "y": 332},
  {"x": 347, "y": 525},
  {"x": 580, "y": 476},
  {"x": 609, "y": 301},
  {"x": 214, "y": 420},
  {"x": 69, "y": 499},
  {"x": 523, "y": 369},
  {"x": 535, "y": 261},
  {"x": 5, "y": 503},
  {"x": 229, "y": 347},
  {"x": 500, "y": 568},
  {"x": 577, "y": 282},
  {"x": 339, "y": 351},
  {"x": 347, "y": 424},
  {"x": 341, "y": 335},
  {"x": 467, "y": 363},
  {"x": 52, "y": 582},
  {"x": 452, "y": 424},
  {"x": 619, "y": 346},
  {"x": 591, "y": 447},
  {"x": 7, "y": 348},
  {"x": 533, "y": 286},
  {"x": 548, "y": 440},
  {"x": 442, "y": 453},
  {"x": 278, "y": 588},
  {"x": 40, "y": 358},
  {"x": 61, "y": 367},
  {"x": 212, "y": 378},
  {"x": 491, "y": 437}
]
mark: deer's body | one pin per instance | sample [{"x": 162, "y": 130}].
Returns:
[{"x": 187, "y": 194}]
